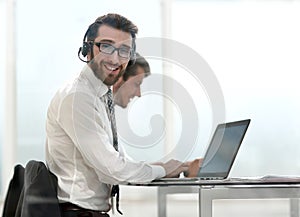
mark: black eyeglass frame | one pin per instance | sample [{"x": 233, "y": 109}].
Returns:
[{"x": 128, "y": 56}]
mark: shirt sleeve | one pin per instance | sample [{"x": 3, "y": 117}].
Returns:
[
  {"x": 159, "y": 172},
  {"x": 83, "y": 117}
]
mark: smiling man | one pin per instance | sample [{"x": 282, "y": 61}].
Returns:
[
  {"x": 111, "y": 65},
  {"x": 81, "y": 146}
]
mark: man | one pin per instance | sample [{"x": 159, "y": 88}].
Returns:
[
  {"x": 81, "y": 147},
  {"x": 129, "y": 85}
]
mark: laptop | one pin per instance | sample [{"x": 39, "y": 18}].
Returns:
[{"x": 221, "y": 152}]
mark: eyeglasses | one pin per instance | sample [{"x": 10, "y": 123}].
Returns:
[{"x": 124, "y": 52}]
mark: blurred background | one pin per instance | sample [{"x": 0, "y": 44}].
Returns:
[{"x": 252, "y": 47}]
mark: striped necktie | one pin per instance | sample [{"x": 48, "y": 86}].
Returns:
[{"x": 110, "y": 103}]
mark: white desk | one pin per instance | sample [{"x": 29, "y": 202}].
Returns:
[
  {"x": 163, "y": 191},
  {"x": 213, "y": 190},
  {"x": 206, "y": 196}
]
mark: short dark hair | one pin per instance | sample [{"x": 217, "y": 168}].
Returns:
[
  {"x": 132, "y": 70},
  {"x": 113, "y": 20}
]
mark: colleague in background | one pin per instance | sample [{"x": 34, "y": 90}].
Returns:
[{"x": 129, "y": 85}]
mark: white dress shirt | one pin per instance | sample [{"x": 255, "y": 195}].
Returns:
[{"x": 79, "y": 146}]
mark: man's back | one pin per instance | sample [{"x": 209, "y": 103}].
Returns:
[{"x": 77, "y": 180}]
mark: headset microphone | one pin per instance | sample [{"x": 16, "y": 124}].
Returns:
[
  {"x": 84, "y": 50},
  {"x": 79, "y": 51}
]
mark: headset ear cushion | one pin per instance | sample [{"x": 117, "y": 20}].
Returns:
[{"x": 85, "y": 49}]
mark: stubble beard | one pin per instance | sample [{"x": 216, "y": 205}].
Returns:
[{"x": 99, "y": 73}]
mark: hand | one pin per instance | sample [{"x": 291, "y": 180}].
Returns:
[
  {"x": 173, "y": 168},
  {"x": 194, "y": 167}
]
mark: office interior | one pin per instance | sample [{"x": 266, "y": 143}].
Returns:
[{"x": 251, "y": 48}]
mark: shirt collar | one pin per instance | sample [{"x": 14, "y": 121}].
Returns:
[{"x": 100, "y": 88}]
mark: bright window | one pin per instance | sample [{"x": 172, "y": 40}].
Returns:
[
  {"x": 253, "y": 48},
  {"x": 2, "y": 82}
]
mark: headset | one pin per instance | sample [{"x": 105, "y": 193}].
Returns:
[{"x": 88, "y": 45}]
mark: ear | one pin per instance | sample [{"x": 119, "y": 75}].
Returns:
[{"x": 89, "y": 52}]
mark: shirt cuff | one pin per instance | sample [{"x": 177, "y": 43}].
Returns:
[{"x": 158, "y": 172}]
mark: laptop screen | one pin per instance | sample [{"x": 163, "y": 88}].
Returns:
[{"x": 223, "y": 149}]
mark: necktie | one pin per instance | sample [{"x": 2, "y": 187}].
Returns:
[{"x": 110, "y": 103}]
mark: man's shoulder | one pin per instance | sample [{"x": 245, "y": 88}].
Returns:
[{"x": 75, "y": 86}]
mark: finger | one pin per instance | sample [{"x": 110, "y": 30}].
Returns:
[
  {"x": 186, "y": 164},
  {"x": 184, "y": 168}
]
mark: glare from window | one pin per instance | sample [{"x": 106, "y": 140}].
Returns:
[{"x": 254, "y": 50}]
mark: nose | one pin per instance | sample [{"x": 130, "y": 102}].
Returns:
[
  {"x": 115, "y": 57},
  {"x": 138, "y": 92}
]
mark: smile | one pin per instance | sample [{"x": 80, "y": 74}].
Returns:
[{"x": 111, "y": 68}]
